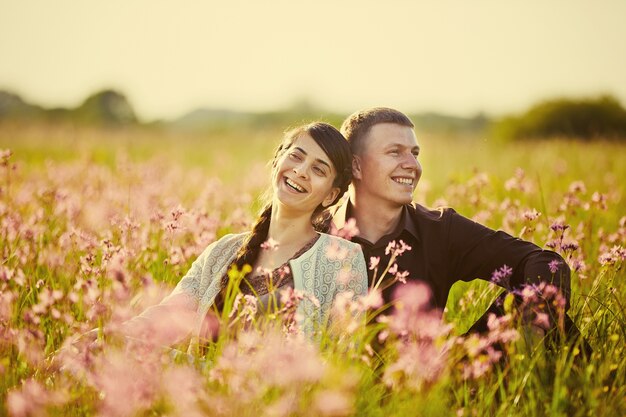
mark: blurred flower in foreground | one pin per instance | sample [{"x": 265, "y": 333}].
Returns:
[
  {"x": 31, "y": 399},
  {"x": 420, "y": 339}
]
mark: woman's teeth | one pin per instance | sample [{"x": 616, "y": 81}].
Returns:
[{"x": 294, "y": 186}]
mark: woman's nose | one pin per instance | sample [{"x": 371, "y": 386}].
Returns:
[{"x": 300, "y": 171}]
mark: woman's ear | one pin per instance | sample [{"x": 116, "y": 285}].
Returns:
[
  {"x": 330, "y": 198},
  {"x": 356, "y": 167}
]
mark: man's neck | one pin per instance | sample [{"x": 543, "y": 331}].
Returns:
[{"x": 373, "y": 218}]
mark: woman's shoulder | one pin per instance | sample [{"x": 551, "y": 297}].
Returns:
[
  {"x": 328, "y": 239},
  {"x": 231, "y": 240}
]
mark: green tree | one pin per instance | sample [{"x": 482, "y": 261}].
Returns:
[{"x": 602, "y": 117}]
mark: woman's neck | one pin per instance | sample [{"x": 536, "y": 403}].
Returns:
[{"x": 290, "y": 229}]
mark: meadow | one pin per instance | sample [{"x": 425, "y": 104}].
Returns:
[{"x": 96, "y": 225}]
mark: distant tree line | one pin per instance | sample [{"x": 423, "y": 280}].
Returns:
[
  {"x": 587, "y": 119},
  {"x": 104, "y": 108},
  {"x": 590, "y": 118}
]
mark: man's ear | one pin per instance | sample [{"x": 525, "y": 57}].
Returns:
[
  {"x": 356, "y": 167},
  {"x": 330, "y": 197}
]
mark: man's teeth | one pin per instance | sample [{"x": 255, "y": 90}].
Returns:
[
  {"x": 294, "y": 185},
  {"x": 405, "y": 181}
]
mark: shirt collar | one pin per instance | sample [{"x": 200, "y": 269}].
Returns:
[{"x": 344, "y": 213}]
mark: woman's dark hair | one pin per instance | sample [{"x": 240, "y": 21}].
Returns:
[{"x": 338, "y": 151}]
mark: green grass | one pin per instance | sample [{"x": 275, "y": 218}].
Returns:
[{"x": 85, "y": 212}]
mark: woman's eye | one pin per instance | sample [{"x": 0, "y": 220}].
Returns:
[
  {"x": 319, "y": 171},
  {"x": 295, "y": 156}
]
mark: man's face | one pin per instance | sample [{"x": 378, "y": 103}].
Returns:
[{"x": 386, "y": 169}]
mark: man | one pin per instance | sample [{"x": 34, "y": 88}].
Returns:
[{"x": 445, "y": 246}]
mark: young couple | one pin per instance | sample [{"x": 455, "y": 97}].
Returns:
[{"x": 378, "y": 151}]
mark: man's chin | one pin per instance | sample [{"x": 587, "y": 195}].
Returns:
[
  {"x": 407, "y": 198},
  {"x": 403, "y": 201}
]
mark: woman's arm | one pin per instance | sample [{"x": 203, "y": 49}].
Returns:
[
  {"x": 166, "y": 323},
  {"x": 176, "y": 316}
]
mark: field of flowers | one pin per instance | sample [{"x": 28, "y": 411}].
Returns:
[{"x": 96, "y": 226}]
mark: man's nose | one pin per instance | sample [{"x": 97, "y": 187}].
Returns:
[{"x": 409, "y": 161}]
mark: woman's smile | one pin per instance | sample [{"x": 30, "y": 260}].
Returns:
[
  {"x": 304, "y": 175},
  {"x": 295, "y": 186}
]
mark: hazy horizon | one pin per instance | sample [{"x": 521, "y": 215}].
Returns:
[{"x": 451, "y": 57}]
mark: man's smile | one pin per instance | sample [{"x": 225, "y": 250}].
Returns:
[{"x": 404, "y": 180}]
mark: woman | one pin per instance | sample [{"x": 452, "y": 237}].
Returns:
[{"x": 311, "y": 171}]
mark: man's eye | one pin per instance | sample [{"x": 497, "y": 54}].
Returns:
[{"x": 393, "y": 152}]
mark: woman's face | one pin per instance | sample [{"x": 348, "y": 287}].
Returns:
[{"x": 303, "y": 176}]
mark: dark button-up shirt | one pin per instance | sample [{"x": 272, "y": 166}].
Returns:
[{"x": 447, "y": 247}]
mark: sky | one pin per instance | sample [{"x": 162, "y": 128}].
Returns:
[{"x": 453, "y": 56}]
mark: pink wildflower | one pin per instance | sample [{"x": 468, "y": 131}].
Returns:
[
  {"x": 5, "y": 154},
  {"x": 542, "y": 320},
  {"x": 531, "y": 215},
  {"x": 269, "y": 244},
  {"x": 184, "y": 388},
  {"x": 403, "y": 248},
  {"x": 335, "y": 251},
  {"x": 128, "y": 377},
  {"x": 615, "y": 254},
  {"x": 391, "y": 246},
  {"x": 579, "y": 266},
  {"x": 177, "y": 212},
  {"x": 500, "y": 329},
  {"x": 477, "y": 368},
  {"x": 31, "y": 400},
  {"x": 374, "y": 260},
  {"x": 529, "y": 294},
  {"x": 344, "y": 276},
  {"x": 599, "y": 200},
  {"x": 402, "y": 276},
  {"x": 244, "y": 307},
  {"x": 418, "y": 365},
  {"x": 348, "y": 231},
  {"x": 333, "y": 404},
  {"x": 396, "y": 249},
  {"x": 373, "y": 299},
  {"x": 569, "y": 245},
  {"x": 6, "y": 305},
  {"x": 559, "y": 225},
  {"x": 554, "y": 265},
  {"x": 578, "y": 187},
  {"x": 501, "y": 275},
  {"x": 284, "y": 271},
  {"x": 415, "y": 295}
]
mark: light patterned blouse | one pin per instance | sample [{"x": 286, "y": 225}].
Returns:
[{"x": 330, "y": 266}]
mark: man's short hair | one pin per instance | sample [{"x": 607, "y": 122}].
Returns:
[{"x": 358, "y": 124}]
